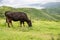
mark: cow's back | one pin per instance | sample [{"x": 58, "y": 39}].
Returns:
[{"x": 16, "y": 15}]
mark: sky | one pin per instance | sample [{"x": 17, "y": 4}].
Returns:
[{"x": 24, "y": 3}]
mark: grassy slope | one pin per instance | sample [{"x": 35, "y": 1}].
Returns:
[
  {"x": 41, "y": 30},
  {"x": 43, "y": 14}
]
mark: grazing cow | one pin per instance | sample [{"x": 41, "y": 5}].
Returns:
[{"x": 17, "y": 16}]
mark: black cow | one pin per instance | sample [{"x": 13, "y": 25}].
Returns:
[{"x": 17, "y": 16}]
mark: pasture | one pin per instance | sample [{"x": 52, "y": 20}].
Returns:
[
  {"x": 41, "y": 30},
  {"x": 45, "y": 25}
]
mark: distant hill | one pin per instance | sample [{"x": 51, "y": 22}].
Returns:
[
  {"x": 51, "y": 4},
  {"x": 47, "y": 5},
  {"x": 50, "y": 14}
]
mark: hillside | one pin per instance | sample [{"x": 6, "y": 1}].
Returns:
[
  {"x": 37, "y": 14},
  {"x": 51, "y": 4},
  {"x": 54, "y": 13},
  {"x": 46, "y": 5}
]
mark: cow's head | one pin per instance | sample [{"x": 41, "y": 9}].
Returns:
[{"x": 29, "y": 23}]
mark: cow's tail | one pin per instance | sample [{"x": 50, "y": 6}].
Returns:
[{"x": 6, "y": 12}]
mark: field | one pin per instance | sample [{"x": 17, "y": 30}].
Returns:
[
  {"x": 46, "y": 24},
  {"x": 41, "y": 30}
]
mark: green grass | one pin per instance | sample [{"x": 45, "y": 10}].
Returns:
[
  {"x": 41, "y": 30},
  {"x": 46, "y": 25}
]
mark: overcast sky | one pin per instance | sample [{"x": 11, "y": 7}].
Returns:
[{"x": 24, "y": 3}]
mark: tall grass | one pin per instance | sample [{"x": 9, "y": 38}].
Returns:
[{"x": 41, "y": 30}]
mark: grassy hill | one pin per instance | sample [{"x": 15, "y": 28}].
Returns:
[
  {"x": 38, "y": 14},
  {"x": 40, "y": 30}
]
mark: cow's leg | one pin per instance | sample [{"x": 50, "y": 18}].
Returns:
[
  {"x": 11, "y": 23},
  {"x": 7, "y": 20},
  {"x": 23, "y": 24},
  {"x": 20, "y": 24},
  {"x": 8, "y": 25}
]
